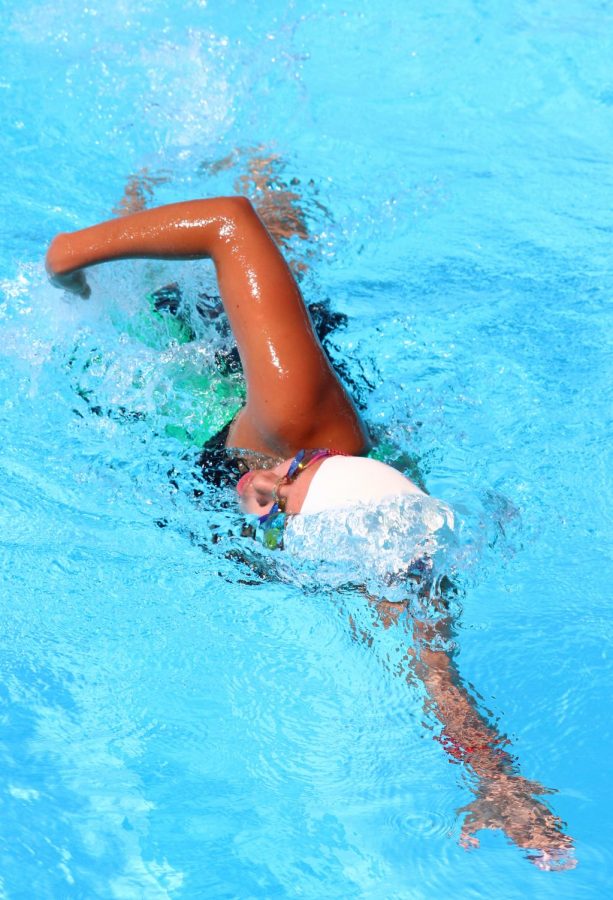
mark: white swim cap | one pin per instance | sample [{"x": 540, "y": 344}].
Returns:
[
  {"x": 373, "y": 544},
  {"x": 345, "y": 481}
]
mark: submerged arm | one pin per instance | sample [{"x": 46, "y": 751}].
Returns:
[{"x": 504, "y": 799}]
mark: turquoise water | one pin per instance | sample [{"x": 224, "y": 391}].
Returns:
[{"x": 172, "y": 724}]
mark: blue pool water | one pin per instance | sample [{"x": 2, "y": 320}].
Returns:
[{"x": 174, "y": 725}]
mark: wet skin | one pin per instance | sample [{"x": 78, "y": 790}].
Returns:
[
  {"x": 295, "y": 401},
  {"x": 256, "y": 488},
  {"x": 294, "y": 398}
]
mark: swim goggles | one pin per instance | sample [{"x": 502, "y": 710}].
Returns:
[{"x": 271, "y": 525}]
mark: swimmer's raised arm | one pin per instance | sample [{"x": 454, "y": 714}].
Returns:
[
  {"x": 192, "y": 229},
  {"x": 294, "y": 399}
]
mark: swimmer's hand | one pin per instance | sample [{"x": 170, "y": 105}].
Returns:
[
  {"x": 61, "y": 273},
  {"x": 507, "y": 802},
  {"x": 74, "y": 282}
]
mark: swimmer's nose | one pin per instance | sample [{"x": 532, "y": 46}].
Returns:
[{"x": 241, "y": 484}]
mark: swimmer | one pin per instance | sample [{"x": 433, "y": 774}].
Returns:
[{"x": 305, "y": 444}]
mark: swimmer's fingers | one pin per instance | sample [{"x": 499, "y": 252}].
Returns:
[
  {"x": 556, "y": 860},
  {"x": 468, "y": 841},
  {"x": 472, "y": 823},
  {"x": 73, "y": 282}
]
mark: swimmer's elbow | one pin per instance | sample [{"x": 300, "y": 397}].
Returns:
[
  {"x": 243, "y": 204},
  {"x": 239, "y": 208},
  {"x": 235, "y": 218}
]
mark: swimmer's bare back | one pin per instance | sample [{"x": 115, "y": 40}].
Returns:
[{"x": 294, "y": 398}]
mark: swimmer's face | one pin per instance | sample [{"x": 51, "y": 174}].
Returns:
[{"x": 255, "y": 489}]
